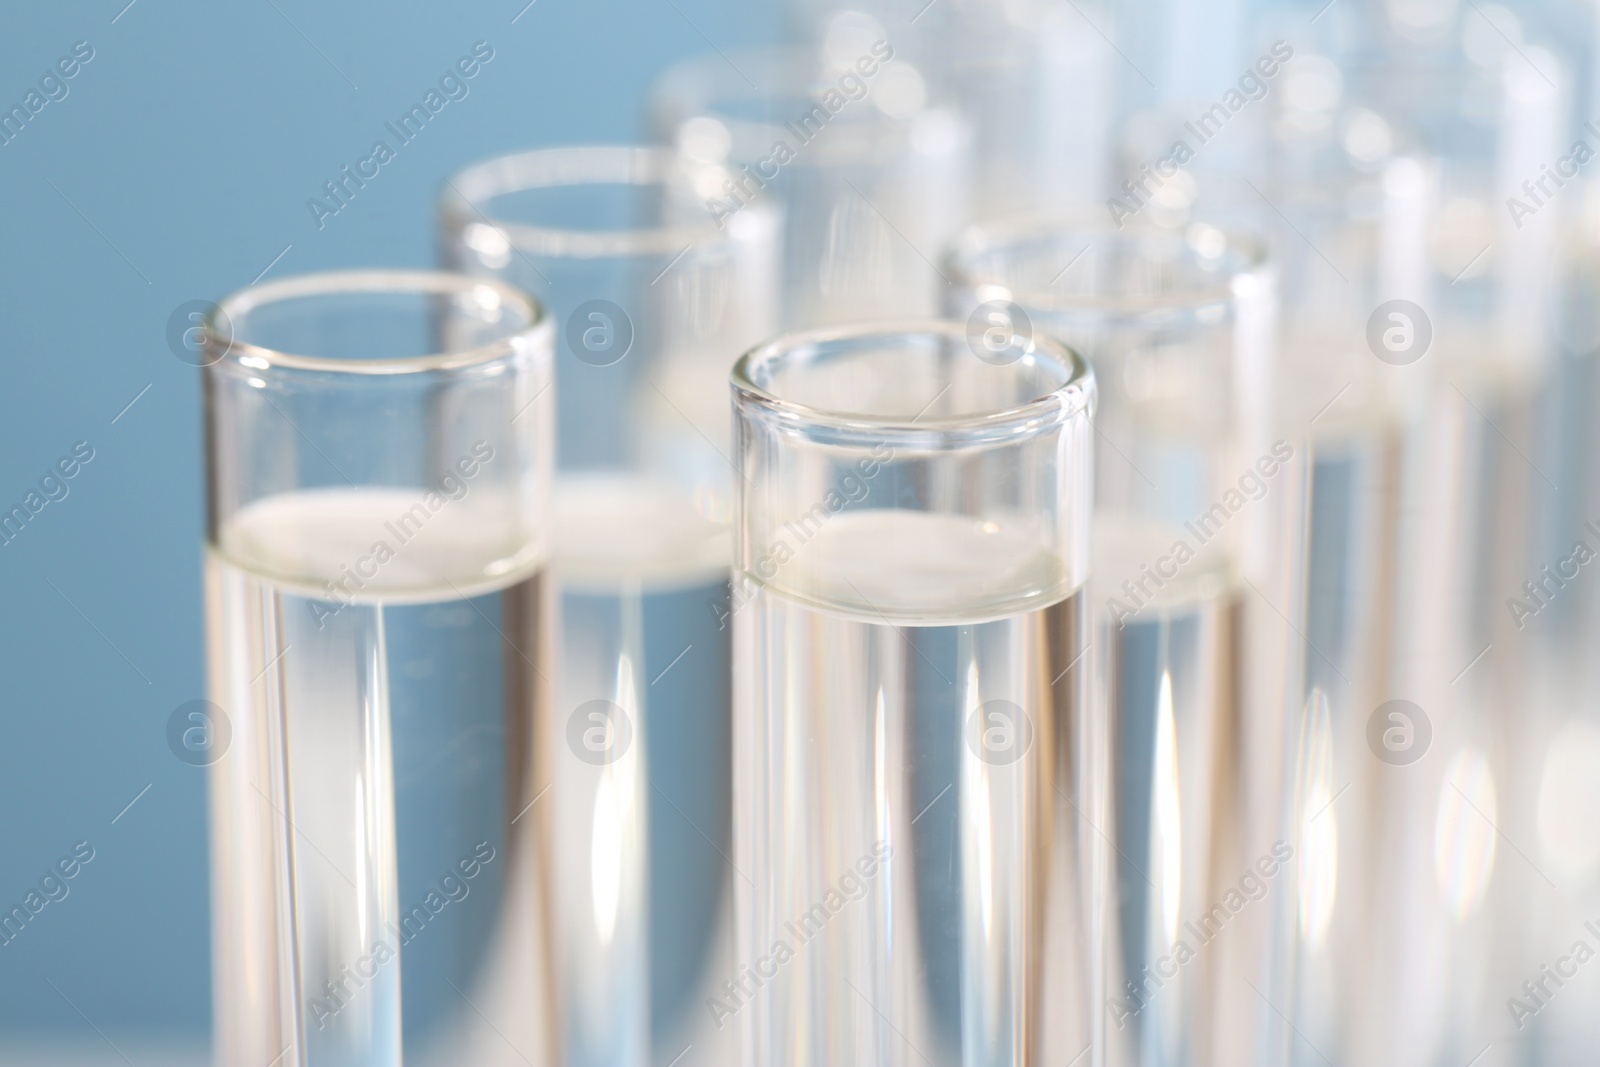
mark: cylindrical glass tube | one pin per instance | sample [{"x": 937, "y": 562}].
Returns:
[
  {"x": 1006, "y": 68},
  {"x": 1563, "y": 617},
  {"x": 1411, "y": 346},
  {"x": 1195, "y": 574},
  {"x": 1347, "y": 243},
  {"x": 1011, "y": 68},
  {"x": 918, "y": 773},
  {"x": 654, "y": 300},
  {"x": 869, "y": 177},
  {"x": 653, "y": 294},
  {"x": 1458, "y": 898},
  {"x": 378, "y": 468},
  {"x": 1358, "y": 371}
]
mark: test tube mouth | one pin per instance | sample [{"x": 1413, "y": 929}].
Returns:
[
  {"x": 793, "y": 79},
  {"x": 1054, "y": 264},
  {"x": 468, "y": 202},
  {"x": 715, "y": 83},
  {"x": 349, "y": 310},
  {"x": 923, "y": 384},
  {"x": 872, "y": 101}
]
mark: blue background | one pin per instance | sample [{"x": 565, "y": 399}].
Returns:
[{"x": 181, "y": 161}]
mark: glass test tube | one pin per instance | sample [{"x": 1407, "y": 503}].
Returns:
[
  {"x": 1390, "y": 950},
  {"x": 1346, "y": 243},
  {"x": 1035, "y": 83},
  {"x": 1565, "y": 628},
  {"x": 917, "y": 769},
  {"x": 653, "y": 300},
  {"x": 1474, "y": 847},
  {"x": 1352, "y": 812},
  {"x": 869, "y": 177},
  {"x": 1348, "y": 217},
  {"x": 378, "y": 464},
  {"x": 1195, "y": 571}
]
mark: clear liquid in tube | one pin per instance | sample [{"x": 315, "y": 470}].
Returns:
[
  {"x": 641, "y": 766},
  {"x": 372, "y": 872},
  {"x": 917, "y": 868},
  {"x": 1169, "y": 678}
]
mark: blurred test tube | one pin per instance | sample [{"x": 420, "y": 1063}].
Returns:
[
  {"x": 1196, "y": 572},
  {"x": 1416, "y": 342},
  {"x": 1035, "y": 80},
  {"x": 653, "y": 300},
  {"x": 868, "y": 174}
]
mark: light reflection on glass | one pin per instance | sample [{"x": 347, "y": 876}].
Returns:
[
  {"x": 1569, "y": 804},
  {"x": 1168, "y": 837},
  {"x": 1464, "y": 835},
  {"x": 605, "y": 865},
  {"x": 1319, "y": 829}
]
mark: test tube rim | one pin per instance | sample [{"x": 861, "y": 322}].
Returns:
[
  {"x": 224, "y": 349},
  {"x": 710, "y": 85},
  {"x": 1074, "y": 396},
  {"x": 1254, "y": 258},
  {"x": 461, "y": 200}
]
